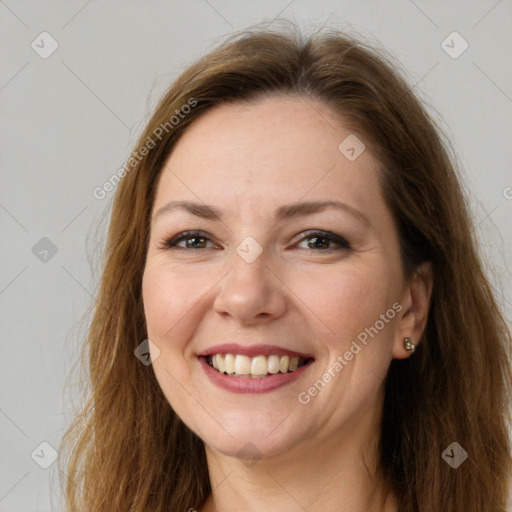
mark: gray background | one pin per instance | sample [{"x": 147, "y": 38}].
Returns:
[{"x": 69, "y": 121}]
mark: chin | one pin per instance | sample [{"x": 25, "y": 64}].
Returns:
[
  {"x": 245, "y": 448},
  {"x": 250, "y": 440}
]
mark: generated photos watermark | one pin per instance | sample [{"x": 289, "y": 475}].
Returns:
[
  {"x": 151, "y": 141},
  {"x": 305, "y": 397}
]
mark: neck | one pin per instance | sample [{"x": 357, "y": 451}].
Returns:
[{"x": 335, "y": 473}]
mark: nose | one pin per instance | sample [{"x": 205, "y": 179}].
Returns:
[{"x": 251, "y": 292}]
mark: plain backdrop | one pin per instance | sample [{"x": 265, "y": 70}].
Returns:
[{"x": 69, "y": 120}]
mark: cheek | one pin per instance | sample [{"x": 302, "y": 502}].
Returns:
[
  {"x": 158, "y": 302},
  {"x": 168, "y": 300},
  {"x": 348, "y": 300},
  {"x": 166, "y": 304},
  {"x": 351, "y": 302}
]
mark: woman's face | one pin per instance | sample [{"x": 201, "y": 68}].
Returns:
[{"x": 260, "y": 283}]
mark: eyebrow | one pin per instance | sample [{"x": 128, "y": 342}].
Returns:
[{"x": 284, "y": 212}]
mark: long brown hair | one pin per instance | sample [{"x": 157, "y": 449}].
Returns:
[{"x": 128, "y": 451}]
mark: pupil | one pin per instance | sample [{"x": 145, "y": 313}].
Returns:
[
  {"x": 316, "y": 238},
  {"x": 188, "y": 244}
]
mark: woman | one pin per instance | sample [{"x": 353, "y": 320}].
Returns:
[{"x": 290, "y": 249}]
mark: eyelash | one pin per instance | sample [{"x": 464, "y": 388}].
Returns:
[{"x": 186, "y": 235}]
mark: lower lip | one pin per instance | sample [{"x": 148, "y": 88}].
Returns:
[{"x": 250, "y": 385}]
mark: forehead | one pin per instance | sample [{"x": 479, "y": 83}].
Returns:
[{"x": 271, "y": 151}]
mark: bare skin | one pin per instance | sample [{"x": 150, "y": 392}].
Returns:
[{"x": 310, "y": 450}]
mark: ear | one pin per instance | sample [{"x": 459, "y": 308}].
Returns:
[{"x": 416, "y": 304}]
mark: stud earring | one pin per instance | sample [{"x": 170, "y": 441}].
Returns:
[{"x": 409, "y": 346}]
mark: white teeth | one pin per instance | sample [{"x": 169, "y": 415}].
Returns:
[
  {"x": 273, "y": 364},
  {"x": 242, "y": 365},
  {"x": 220, "y": 363},
  {"x": 255, "y": 367},
  {"x": 259, "y": 365},
  {"x": 229, "y": 363}
]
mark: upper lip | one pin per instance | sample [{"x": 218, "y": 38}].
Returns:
[{"x": 253, "y": 350}]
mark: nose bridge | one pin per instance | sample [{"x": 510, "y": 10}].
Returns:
[
  {"x": 250, "y": 289},
  {"x": 249, "y": 277}
]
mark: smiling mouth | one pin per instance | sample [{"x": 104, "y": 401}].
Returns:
[{"x": 259, "y": 367}]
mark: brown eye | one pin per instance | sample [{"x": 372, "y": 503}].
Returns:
[
  {"x": 322, "y": 241},
  {"x": 192, "y": 239}
]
